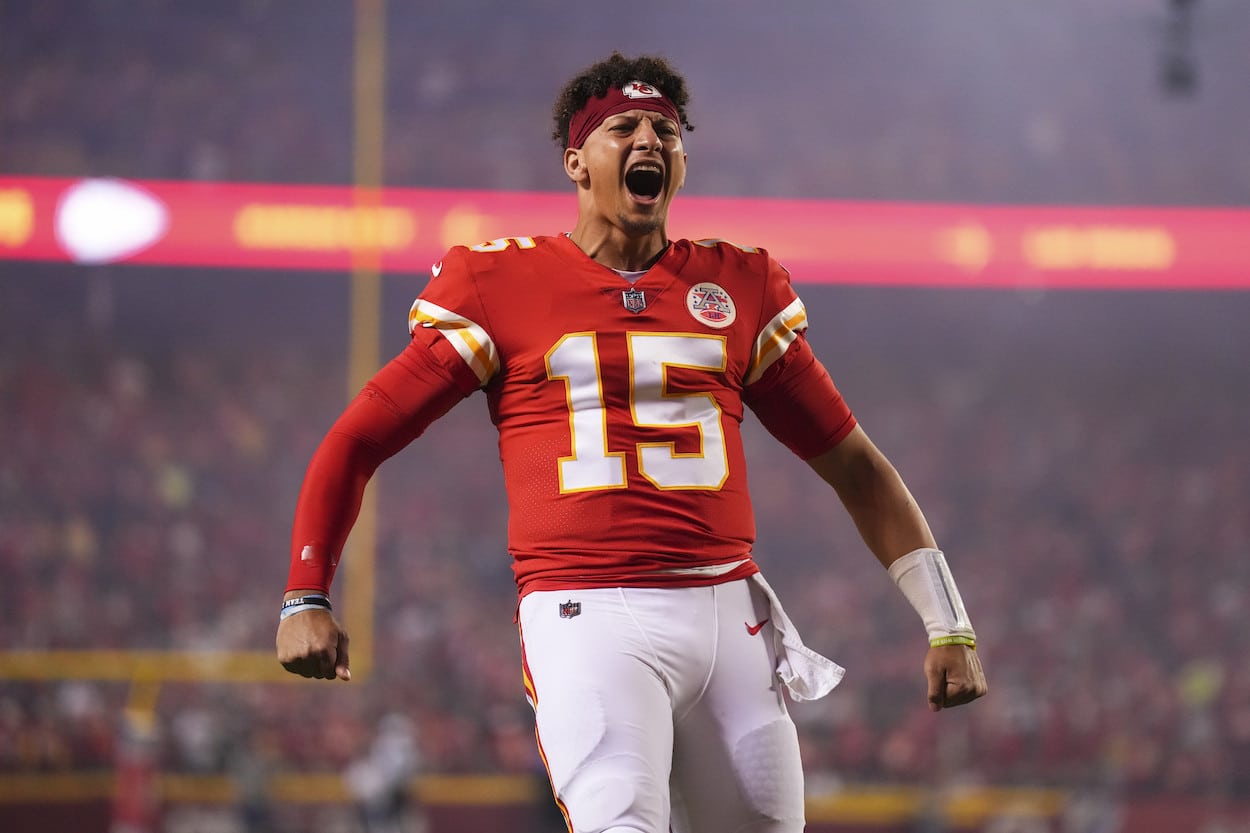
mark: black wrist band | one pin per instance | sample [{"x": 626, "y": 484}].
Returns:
[{"x": 316, "y": 601}]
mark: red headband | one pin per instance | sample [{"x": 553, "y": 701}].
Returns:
[{"x": 636, "y": 95}]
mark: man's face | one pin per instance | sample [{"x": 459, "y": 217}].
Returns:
[{"x": 633, "y": 165}]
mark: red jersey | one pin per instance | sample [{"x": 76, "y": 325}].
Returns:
[{"x": 619, "y": 405}]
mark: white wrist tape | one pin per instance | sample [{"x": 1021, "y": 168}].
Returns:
[{"x": 927, "y": 583}]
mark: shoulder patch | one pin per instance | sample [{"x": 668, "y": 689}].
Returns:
[{"x": 710, "y": 304}]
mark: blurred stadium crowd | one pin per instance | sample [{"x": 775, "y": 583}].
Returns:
[
  {"x": 1019, "y": 103},
  {"x": 1083, "y": 459},
  {"x": 1088, "y": 488}
]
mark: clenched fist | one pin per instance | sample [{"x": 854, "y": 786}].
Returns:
[
  {"x": 313, "y": 644},
  {"x": 955, "y": 676}
]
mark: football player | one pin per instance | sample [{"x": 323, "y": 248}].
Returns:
[{"x": 617, "y": 365}]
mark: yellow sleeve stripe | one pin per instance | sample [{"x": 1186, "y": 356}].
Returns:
[
  {"x": 776, "y": 337},
  {"x": 470, "y": 340}
]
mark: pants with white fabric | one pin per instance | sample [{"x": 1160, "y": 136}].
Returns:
[{"x": 661, "y": 706}]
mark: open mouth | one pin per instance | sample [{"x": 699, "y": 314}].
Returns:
[{"x": 645, "y": 181}]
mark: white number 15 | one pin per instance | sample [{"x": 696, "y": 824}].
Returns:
[{"x": 575, "y": 360}]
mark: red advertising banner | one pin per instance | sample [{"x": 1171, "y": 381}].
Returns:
[{"x": 334, "y": 228}]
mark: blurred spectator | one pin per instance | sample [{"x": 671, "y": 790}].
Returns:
[{"x": 381, "y": 780}]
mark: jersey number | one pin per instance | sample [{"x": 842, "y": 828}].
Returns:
[{"x": 575, "y": 360}]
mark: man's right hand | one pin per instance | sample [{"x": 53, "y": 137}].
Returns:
[{"x": 313, "y": 644}]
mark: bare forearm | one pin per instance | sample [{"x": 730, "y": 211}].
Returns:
[
  {"x": 875, "y": 496},
  {"x": 892, "y": 525}
]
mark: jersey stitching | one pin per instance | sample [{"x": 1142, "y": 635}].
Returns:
[
  {"x": 486, "y": 325},
  {"x": 761, "y": 305}
]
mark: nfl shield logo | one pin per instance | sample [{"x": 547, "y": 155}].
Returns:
[
  {"x": 634, "y": 300},
  {"x": 570, "y": 609}
]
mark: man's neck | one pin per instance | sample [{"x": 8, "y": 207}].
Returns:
[{"x": 613, "y": 248}]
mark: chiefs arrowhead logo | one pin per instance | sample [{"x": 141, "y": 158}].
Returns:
[{"x": 637, "y": 89}]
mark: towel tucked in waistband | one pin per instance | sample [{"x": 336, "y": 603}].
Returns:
[{"x": 806, "y": 674}]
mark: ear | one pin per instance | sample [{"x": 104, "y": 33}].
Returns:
[
  {"x": 574, "y": 166},
  {"x": 685, "y": 157}
]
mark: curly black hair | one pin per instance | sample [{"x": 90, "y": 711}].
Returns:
[{"x": 617, "y": 71}]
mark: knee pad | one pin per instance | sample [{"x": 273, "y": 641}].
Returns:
[{"x": 770, "y": 771}]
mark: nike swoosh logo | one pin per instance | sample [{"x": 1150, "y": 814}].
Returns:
[
  {"x": 754, "y": 630},
  {"x": 435, "y": 269}
]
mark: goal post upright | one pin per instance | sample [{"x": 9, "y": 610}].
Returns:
[{"x": 364, "y": 356}]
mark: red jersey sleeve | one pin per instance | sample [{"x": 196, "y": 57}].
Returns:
[
  {"x": 796, "y": 400},
  {"x": 786, "y": 386},
  {"x": 450, "y": 318},
  {"x": 394, "y": 408}
]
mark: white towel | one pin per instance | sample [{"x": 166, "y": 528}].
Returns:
[{"x": 806, "y": 674}]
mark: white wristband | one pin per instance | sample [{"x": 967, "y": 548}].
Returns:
[
  {"x": 926, "y": 581},
  {"x": 288, "y": 612}
]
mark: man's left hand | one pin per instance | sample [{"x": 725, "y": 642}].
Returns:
[{"x": 955, "y": 676}]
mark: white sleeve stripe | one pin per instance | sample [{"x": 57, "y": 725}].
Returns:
[
  {"x": 470, "y": 340},
  {"x": 776, "y": 337}
]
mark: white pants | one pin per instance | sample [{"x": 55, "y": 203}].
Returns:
[{"x": 659, "y": 706}]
